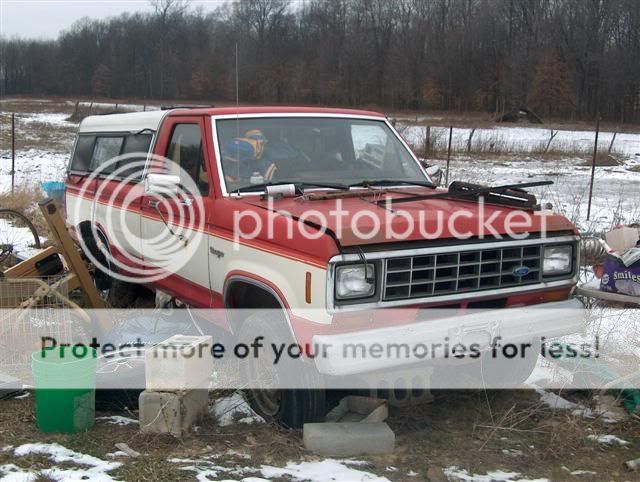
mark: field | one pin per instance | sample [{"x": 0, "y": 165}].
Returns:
[{"x": 468, "y": 435}]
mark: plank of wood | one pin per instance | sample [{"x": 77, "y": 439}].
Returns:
[
  {"x": 27, "y": 268},
  {"x": 68, "y": 249}
]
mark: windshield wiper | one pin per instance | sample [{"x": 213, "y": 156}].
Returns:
[
  {"x": 390, "y": 182},
  {"x": 509, "y": 194},
  {"x": 300, "y": 185}
]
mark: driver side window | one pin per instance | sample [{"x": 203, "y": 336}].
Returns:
[{"x": 186, "y": 151}]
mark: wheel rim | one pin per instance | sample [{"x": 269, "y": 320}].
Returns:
[
  {"x": 266, "y": 401},
  {"x": 17, "y": 234}
]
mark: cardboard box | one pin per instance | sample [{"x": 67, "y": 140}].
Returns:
[{"x": 179, "y": 363}]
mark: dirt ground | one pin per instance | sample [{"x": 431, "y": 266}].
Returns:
[{"x": 510, "y": 431}]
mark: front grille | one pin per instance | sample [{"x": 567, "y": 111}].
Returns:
[{"x": 431, "y": 275}]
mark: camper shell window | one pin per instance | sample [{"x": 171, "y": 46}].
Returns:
[
  {"x": 93, "y": 150},
  {"x": 82, "y": 154}
]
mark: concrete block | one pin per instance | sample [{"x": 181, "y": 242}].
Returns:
[
  {"x": 179, "y": 363},
  {"x": 172, "y": 412},
  {"x": 359, "y": 409},
  {"x": 347, "y": 439}
]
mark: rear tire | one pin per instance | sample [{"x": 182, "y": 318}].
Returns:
[
  {"x": 289, "y": 407},
  {"x": 117, "y": 293}
]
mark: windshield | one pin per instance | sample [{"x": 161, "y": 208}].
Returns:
[{"x": 312, "y": 150}]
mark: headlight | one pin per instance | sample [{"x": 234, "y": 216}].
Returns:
[
  {"x": 352, "y": 281},
  {"x": 557, "y": 260}
]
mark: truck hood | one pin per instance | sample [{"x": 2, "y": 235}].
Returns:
[{"x": 359, "y": 221}]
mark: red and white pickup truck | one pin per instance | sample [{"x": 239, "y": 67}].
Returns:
[{"x": 318, "y": 213}]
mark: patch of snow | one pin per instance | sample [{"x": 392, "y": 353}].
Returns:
[
  {"x": 521, "y": 139},
  {"x": 112, "y": 105},
  {"x": 70, "y": 475},
  {"x": 59, "y": 454},
  {"x": 456, "y": 473},
  {"x": 513, "y": 452},
  {"x": 583, "y": 472},
  {"x": 116, "y": 454},
  {"x": 96, "y": 472},
  {"x": 234, "y": 409},
  {"x": 391, "y": 468},
  {"x": 411, "y": 473},
  {"x": 118, "y": 420},
  {"x": 235, "y": 453},
  {"x": 50, "y": 118},
  {"x": 607, "y": 439},
  {"x": 556, "y": 402},
  {"x": 33, "y": 166},
  {"x": 13, "y": 473},
  {"x": 327, "y": 470}
]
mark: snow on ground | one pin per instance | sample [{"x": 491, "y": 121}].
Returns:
[
  {"x": 607, "y": 439},
  {"x": 33, "y": 167},
  {"x": 234, "y": 409},
  {"x": 327, "y": 470},
  {"x": 616, "y": 191},
  {"x": 112, "y": 105},
  {"x": 90, "y": 468},
  {"x": 556, "y": 402},
  {"x": 19, "y": 237},
  {"x": 521, "y": 139},
  {"x": 117, "y": 420},
  {"x": 49, "y": 118},
  {"x": 455, "y": 473}
]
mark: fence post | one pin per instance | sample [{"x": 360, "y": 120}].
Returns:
[
  {"x": 613, "y": 139},
  {"x": 470, "y": 139},
  {"x": 446, "y": 175},
  {"x": 427, "y": 140},
  {"x": 13, "y": 152},
  {"x": 593, "y": 165}
]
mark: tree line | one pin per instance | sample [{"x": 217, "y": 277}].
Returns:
[{"x": 562, "y": 58}]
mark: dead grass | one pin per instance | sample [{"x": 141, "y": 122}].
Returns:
[
  {"x": 477, "y": 431},
  {"x": 25, "y": 200}
]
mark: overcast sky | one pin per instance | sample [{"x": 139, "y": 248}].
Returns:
[{"x": 46, "y": 18}]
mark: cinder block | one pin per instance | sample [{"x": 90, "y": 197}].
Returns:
[
  {"x": 172, "y": 412},
  {"x": 179, "y": 363},
  {"x": 359, "y": 409},
  {"x": 347, "y": 439}
]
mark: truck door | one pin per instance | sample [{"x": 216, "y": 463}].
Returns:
[{"x": 173, "y": 226}]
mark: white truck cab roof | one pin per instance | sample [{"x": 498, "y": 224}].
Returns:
[{"x": 129, "y": 122}]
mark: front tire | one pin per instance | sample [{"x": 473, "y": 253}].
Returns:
[{"x": 289, "y": 407}]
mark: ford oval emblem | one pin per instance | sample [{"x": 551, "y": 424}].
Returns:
[{"x": 521, "y": 271}]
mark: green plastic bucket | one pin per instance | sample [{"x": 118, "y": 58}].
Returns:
[{"x": 64, "y": 380}]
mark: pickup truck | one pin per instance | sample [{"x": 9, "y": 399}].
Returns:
[{"x": 316, "y": 214}]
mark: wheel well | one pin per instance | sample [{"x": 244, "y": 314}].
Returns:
[
  {"x": 242, "y": 296},
  {"x": 245, "y": 294}
]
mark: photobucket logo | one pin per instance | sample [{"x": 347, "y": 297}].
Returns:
[
  {"x": 385, "y": 223},
  {"x": 154, "y": 227}
]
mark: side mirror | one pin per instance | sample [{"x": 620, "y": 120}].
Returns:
[
  {"x": 434, "y": 172},
  {"x": 161, "y": 184}
]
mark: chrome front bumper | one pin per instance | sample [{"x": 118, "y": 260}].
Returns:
[{"x": 509, "y": 325}]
